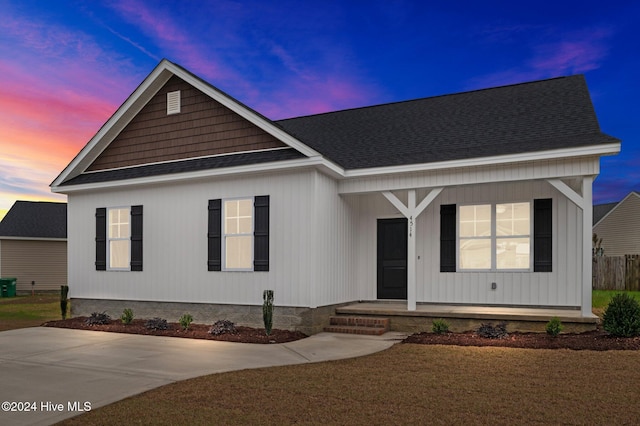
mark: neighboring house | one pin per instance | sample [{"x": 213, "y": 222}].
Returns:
[
  {"x": 186, "y": 200},
  {"x": 33, "y": 245},
  {"x": 618, "y": 224}
]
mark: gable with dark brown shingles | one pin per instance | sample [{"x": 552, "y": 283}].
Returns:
[{"x": 204, "y": 127}]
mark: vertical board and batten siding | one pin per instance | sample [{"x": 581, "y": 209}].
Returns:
[
  {"x": 203, "y": 127},
  {"x": 334, "y": 244},
  {"x": 541, "y": 169},
  {"x": 44, "y": 262},
  {"x": 175, "y": 243},
  {"x": 620, "y": 229},
  {"x": 562, "y": 287}
]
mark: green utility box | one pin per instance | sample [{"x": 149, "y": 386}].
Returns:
[{"x": 8, "y": 287}]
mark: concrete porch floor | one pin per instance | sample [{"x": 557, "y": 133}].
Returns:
[{"x": 468, "y": 317}]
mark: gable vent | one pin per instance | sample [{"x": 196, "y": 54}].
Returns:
[{"x": 173, "y": 102}]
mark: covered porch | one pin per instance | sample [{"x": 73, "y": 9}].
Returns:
[{"x": 469, "y": 317}]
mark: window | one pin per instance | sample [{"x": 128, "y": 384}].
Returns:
[
  {"x": 238, "y": 234},
  {"x": 119, "y": 238},
  {"x": 495, "y": 237}
]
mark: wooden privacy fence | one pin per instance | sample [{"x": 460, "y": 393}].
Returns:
[{"x": 616, "y": 272}]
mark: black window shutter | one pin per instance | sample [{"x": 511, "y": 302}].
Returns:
[
  {"x": 101, "y": 239},
  {"x": 214, "y": 236},
  {"x": 261, "y": 233},
  {"x": 448, "y": 238},
  {"x": 136, "y": 238},
  {"x": 542, "y": 235}
]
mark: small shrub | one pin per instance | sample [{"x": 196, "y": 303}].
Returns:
[
  {"x": 267, "y": 310},
  {"x": 185, "y": 320},
  {"x": 222, "y": 327},
  {"x": 440, "y": 326},
  {"x": 622, "y": 317},
  {"x": 98, "y": 319},
  {"x": 156, "y": 324},
  {"x": 493, "y": 332},
  {"x": 554, "y": 326},
  {"x": 64, "y": 300},
  {"x": 127, "y": 316}
]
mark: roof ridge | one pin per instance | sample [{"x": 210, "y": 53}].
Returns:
[{"x": 524, "y": 83}]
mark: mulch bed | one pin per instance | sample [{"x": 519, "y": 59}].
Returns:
[
  {"x": 597, "y": 340},
  {"x": 594, "y": 340},
  {"x": 195, "y": 331}
]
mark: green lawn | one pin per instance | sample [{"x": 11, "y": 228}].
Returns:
[
  {"x": 601, "y": 299},
  {"x": 28, "y": 311}
]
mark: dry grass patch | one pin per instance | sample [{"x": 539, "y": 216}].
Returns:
[
  {"x": 28, "y": 311},
  {"x": 407, "y": 384}
]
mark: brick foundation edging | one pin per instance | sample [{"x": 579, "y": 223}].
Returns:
[{"x": 306, "y": 320}]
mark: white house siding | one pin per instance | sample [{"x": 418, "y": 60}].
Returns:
[
  {"x": 335, "y": 236},
  {"x": 562, "y": 287},
  {"x": 540, "y": 169},
  {"x": 620, "y": 229},
  {"x": 175, "y": 242}
]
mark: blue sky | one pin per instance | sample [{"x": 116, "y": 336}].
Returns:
[{"x": 66, "y": 66}]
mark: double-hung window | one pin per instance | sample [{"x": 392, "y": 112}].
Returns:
[
  {"x": 119, "y": 238},
  {"x": 238, "y": 234},
  {"x": 495, "y": 237}
]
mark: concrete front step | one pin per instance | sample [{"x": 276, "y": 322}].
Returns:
[{"x": 358, "y": 325}]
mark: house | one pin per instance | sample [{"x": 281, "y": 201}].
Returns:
[
  {"x": 618, "y": 224},
  {"x": 33, "y": 245},
  {"x": 186, "y": 200}
]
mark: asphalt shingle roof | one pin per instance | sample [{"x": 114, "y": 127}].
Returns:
[
  {"x": 528, "y": 117},
  {"x": 191, "y": 165},
  {"x": 516, "y": 119},
  {"x": 31, "y": 219}
]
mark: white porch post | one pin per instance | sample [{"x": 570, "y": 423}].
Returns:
[
  {"x": 587, "y": 231},
  {"x": 411, "y": 212},
  {"x": 584, "y": 202}
]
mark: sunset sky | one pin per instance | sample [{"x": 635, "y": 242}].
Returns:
[{"x": 66, "y": 66}]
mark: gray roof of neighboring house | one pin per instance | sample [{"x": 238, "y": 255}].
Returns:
[
  {"x": 35, "y": 219},
  {"x": 528, "y": 117},
  {"x": 601, "y": 210}
]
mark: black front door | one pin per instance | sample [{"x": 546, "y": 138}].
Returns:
[{"x": 392, "y": 258}]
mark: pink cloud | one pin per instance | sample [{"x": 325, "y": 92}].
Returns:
[
  {"x": 162, "y": 27},
  {"x": 571, "y": 53}
]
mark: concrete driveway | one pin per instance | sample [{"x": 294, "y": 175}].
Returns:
[{"x": 49, "y": 374}]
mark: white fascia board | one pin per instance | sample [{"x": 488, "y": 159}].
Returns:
[
  {"x": 245, "y": 113},
  {"x": 318, "y": 162},
  {"x": 608, "y": 149},
  {"x": 123, "y": 115}
]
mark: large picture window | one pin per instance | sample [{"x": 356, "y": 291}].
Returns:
[{"x": 495, "y": 237}]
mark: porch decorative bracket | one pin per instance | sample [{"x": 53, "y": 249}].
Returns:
[{"x": 411, "y": 211}]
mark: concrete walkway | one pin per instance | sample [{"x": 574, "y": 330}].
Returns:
[{"x": 56, "y": 373}]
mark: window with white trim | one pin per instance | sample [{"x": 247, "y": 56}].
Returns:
[
  {"x": 238, "y": 234},
  {"x": 119, "y": 238},
  {"x": 495, "y": 237}
]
